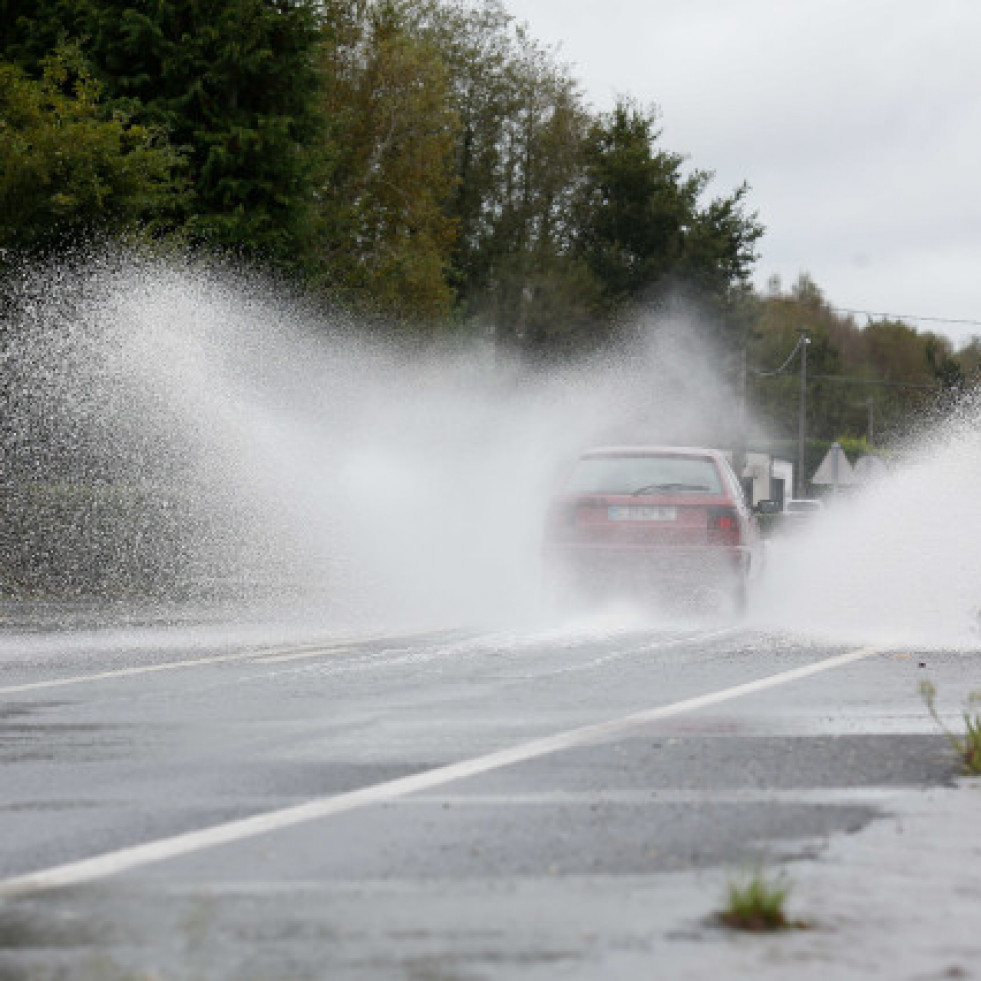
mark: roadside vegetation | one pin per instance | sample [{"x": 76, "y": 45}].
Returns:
[
  {"x": 966, "y": 745},
  {"x": 756, "y": 902},
  {"x": 428, "y": 166},
  {"x": 423, "y": 163}
]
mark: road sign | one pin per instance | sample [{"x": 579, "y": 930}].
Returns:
[{"x": 835, "y": 469}]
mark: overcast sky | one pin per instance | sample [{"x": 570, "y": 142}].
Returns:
[{"x": 857, "y": 124}]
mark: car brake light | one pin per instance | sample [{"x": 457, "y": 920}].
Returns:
[{"x": 722, "y": 519}]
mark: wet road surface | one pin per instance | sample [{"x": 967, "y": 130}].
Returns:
[{"x": 561, "y": 802}]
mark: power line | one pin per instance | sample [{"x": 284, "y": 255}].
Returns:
[
  {"x": 779, "y": 371},
  {"x": 884, "y": 382},
  {"x": 907, "y": 316},
  {"x": 852, "y": 380}
]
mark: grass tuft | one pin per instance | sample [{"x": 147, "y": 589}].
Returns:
[
  {"x": 756, "y": 901},
  {"x": 968, "y": 745}
]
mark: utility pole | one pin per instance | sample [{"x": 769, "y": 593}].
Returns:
[
  {"x": 739, "y": 449},
  {"x": 802, "y": 418}
]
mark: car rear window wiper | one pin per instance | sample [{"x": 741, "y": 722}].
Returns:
[{"x": 667, "y": 488}]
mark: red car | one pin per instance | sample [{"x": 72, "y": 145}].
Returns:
[{"x": 669, "y": 523}]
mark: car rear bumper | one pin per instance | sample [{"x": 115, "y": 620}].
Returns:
[{"x": 676, "y": 569}]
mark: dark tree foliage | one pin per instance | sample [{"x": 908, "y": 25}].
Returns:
[
  {"x": 518, "y": 163},
  {"x": 67, "y": 172},
  {"x": 643, "y": 229},
  {"x": 231, "y": 82},
  {"x": 423, "y": 160},
  {"x": 871, "y": 382},
  {"x": 385, "y": 236}
]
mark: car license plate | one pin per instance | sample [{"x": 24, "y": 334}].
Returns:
[{"x": 636, "y": 513}]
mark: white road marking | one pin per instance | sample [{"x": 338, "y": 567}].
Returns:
[
  {"x": 260, "y": 655},
  {"x": 113, "y": 863},
  {"x": 279, "y": 658},
  {"x": 197, "y": 662},
  {"x": 266, "y": 655},
  {"x": 735, "y": 795}
]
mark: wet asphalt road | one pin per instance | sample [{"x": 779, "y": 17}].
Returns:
[{"x": 585, "y": 858}]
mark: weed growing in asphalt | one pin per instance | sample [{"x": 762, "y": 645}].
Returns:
[
  {"x": 756, "y": 901},
  {"x": 968, "y": 745}
]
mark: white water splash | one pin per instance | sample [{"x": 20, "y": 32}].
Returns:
[{"x": 901, "y": 562}]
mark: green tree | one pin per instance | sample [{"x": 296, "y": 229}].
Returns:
[
  {"x": 475, "y": 44},
  {"x": 541, "y": 297},
  {"x": 944, "y": 365},
  {"x": 423, "y": 160},
  {"x": 898, "y": 352},
  {"x": 67, "y": 170},
  {"x": 386, "y": 235},
  {"x": 231, "y": 82},
  {"x": 643, "y": 230},
  {"x": 969, "y": 359},
  {"x": 776, "y": 334},
  {"x": 518, "y": 166},
  {"x": 884, "y": 370}
]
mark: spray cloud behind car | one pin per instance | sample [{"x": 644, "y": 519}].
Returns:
[{"x": 218, "y": 434}]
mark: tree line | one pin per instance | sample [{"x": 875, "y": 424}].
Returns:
[
  {"x": 424, "y": 164},
  {"x": 869, "y": 384}
]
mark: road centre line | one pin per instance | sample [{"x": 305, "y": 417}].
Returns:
[
  {"x": 113, "y": 863},
  {"x": 258, "y": 655},
  {"x": 262, "y": 654},
  {"x": 277, "y": 658}
]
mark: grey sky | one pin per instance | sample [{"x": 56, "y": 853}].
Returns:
[{"x": 857, "y": 124}]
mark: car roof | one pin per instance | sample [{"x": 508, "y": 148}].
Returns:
[{"x": 600, "y": 451}]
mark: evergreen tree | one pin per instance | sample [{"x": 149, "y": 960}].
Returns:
[
  {"x": 66, "y": 170},
  {"x": 642, "y": 228},
  {"x": 231, "y": 82}
]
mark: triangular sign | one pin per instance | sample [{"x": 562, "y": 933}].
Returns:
[{"x": 835, "y": 468}]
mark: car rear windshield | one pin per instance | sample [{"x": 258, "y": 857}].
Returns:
[{"x": 645, "y": 475}]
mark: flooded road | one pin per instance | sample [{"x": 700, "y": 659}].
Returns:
[
  {"x": 185, "y": 800},
  {"x": 244, "y": 793}
]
